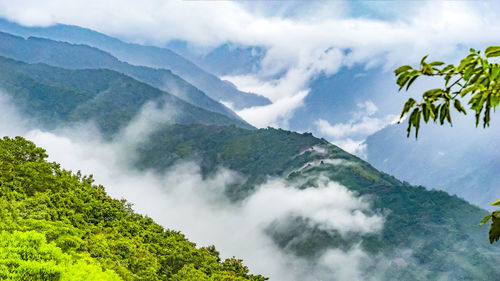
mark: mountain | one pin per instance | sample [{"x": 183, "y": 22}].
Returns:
[
  {"x": 227, "y": 59},
  {"x": 65, "y": 55},
  {"x": 439, "y": 230},
  {"x": 419, "y": 234},
  {"x": 462, "y": 160},
  {"x": 58, "y": 225},
  {"x": 55, "y": 96},
  {"x": 146, "y": 56}
]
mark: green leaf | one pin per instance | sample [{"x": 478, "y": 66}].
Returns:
[
  {"x": 414, "y": 121},
  {"x": 411, "y": 81},
  {"x": 459, "y": 106},
  {"x": 493, "y": 51},
  {"x": 468, "y": 72},
  {"x": 408, "y": 105},
  {"x": 449, "y": 68},
  {"x": 402, "y": 69},
  {"x": 402, "y": 79},
  {"x": 485, "y": 219},
  {"x": 442, "y": 114},
  {"x": 496, "y": 203},
  {"x": 426, "y": 112},
  {"x": 433, "y": 93},
  {"x": 470, "y": 59},
  {"x": 436, "y": 63},
  {"x": 423, "y": 60},
  {"x": 495, "y": 71},
  {"x": 494, "y": 233}
]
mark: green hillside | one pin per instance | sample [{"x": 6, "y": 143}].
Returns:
[
  {"x": 143, "y": 55},
  {"x": 59, "y": 225},
  {"x": 54, "y": 96},
  {"x": 71, "y": 56},
  {"x": 441, "y": 230}
]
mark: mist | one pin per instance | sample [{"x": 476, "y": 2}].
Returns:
[{"x": 184, "y": 200}]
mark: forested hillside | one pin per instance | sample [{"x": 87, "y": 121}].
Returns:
[
  {"x": 147, "y": 56},
  {"x": 54, "y": 96},
  {"x": 59, "y": 225},
  {"x": 441, "y": 230},
  {"x": 65, "y": 55}
]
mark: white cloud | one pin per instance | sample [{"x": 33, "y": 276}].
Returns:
[
  {"x": 182, "y": 199},
  {"x": 12, "y": 121},
  {"x": 295, "y": 44},
  {"x": 275, "y": 114},
  {"x": 185, "y": 200},
  {"x": 351, "y": 135}
]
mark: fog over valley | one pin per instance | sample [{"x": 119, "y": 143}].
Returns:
[{"x": 249, "y": 140}]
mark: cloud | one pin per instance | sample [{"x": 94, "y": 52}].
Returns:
[
  {"x": 287, "y": 92},
  {"x": 182, "y": 199},
  {"x": 12, "y": 121},
  {"x": 297, "y": 36},
  {"x": 351, "y": 135},
  {"x": 185, "y": 200},
  {"x": 275, "y": 114}
]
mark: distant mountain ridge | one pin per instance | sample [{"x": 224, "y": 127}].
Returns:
[
  {"x": 144, "y": 55},
  {"x": 461, "y": 160},
  {"x": 66, "y": 55},
  {"x": 439, "y": 231},
  {"x": 55, "y": 96}
]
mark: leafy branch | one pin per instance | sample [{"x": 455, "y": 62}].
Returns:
[{"x": 475, "y": 78}]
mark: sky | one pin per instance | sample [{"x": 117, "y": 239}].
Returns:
[{"x": 302, "y": 39}]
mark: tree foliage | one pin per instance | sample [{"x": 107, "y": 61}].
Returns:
[
  {"x": 476, "y": 79},
  {"x": 55, "y": 223}
]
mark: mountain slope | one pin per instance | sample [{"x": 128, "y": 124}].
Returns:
[
  {"x": 439, "y": 230},
  {"x": 55, "y": 96},
  {"x": 39, "y": 50},
  {"x": 461, "y": 159},
  {"x": 91, "y": 236},
  {"x": 227, "y": 59},
  {"x": 144, "y": 55}
]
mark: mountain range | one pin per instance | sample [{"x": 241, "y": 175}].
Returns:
[
  {"x": 424, "y": 234},
  {"x": 145, "y": 56}
]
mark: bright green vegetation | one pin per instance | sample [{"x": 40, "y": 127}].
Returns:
[
  {"x": 28, "y": 256},
  {"x": 475, "y": 79},
  {"x": 441, "y": 230},
  {"x": 53, "y": 96},
  {"x": 58, "y": 225},
  {"x": 65, "y": 55}
]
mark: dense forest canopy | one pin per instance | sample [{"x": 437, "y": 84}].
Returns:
[{"x": 59, "y": 225}]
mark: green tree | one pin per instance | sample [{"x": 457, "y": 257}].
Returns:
[
  {"x": 58, "y": 225},
  {"x": 475, "y": 80}
]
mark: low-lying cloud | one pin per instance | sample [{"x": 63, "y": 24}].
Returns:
[
  {"x": 183, "y": 199},
  {"x": 351, "y": 136}
]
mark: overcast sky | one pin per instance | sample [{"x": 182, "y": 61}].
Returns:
[{"x": 303, "y": 39}]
